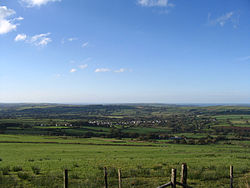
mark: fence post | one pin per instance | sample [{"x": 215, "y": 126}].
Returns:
[
  {"x": 120, "y": 178},
  {"x": 231, "y": 176},
  {"x": 173, "y": 178},
  {"x": 106, "y": 177},
  {"x": 66, "y": 178},
  {"x": 184, "y": 174}
]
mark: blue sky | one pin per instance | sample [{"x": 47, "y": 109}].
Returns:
[{"x": 119, "y": 51}]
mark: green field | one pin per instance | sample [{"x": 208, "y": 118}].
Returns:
[
  {"x": 143, "y": 164},
  {"x": 39, "y": 141}
]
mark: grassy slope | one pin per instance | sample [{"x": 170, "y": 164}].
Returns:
[{"x": 142, "y": 166}]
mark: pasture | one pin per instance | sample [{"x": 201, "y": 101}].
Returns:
[{"x": 36, "y": 161}]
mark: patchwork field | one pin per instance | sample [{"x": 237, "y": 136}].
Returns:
[{"x": 39, "y": 141}]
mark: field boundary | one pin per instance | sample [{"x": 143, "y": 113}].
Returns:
[
  {"x": 77, "y": 143},
  {"x": 173, "y": 183}
]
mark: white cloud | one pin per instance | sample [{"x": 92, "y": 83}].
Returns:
[
  {"x": 73, "y": 70},
  {"x": 5, "y": 12},
  {"x": 33, "y": 3},
  {"x": 155, "y": 3},
  {"x": 102, "y": 70},
  {"x": 40, "y": 40},
  {"x": 87, "y": 60},
  {"x": 7, "y": 25},
  {"x": 20, "y": 37},
  {"x": 85, "y": 44},
  {"x": 72, "y": 39},
  {"x": 230, "y": 17},
  {"x": 18, "y": 18},
  {"x": 120, "y": 70},
  {"x": 84, "y": 66},
  {"x": 44, "y": 42}
]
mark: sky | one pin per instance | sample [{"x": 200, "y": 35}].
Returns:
[{"x": 125, "y": 51}]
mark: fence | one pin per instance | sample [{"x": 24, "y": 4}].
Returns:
[{"x": 173, "y": 183}]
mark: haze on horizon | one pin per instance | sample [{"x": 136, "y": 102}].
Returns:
[{"x": 116, "y": 51}]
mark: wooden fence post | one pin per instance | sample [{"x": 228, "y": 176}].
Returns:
[
  {"x": 66, "y": 178},
  {"x": 173, "y": 178},
  {"x": 106, "y": 177},
  {"x": 120, "y": 178},
  {"x": 184, "y": 174},
  {"x": 231, "y": 176}
]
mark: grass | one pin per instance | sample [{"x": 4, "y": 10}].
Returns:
[
  {"x": 235, "y": 120},
  {"x": 32, "y": 121},
  {"x": 143, "y": 166},
  {"x": 71, "y": 140},
  {"x": 232, "y": 117}
]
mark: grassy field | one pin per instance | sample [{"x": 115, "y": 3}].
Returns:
[
  {"x": 38, "y": 161},
  {"x": 209, "y": 139}
]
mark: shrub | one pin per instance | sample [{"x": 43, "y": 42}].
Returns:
[
  {"x": 5, "y": 170},
  {"x": 100, "y": 168},
  {"x": 23, "y": 175},
  {"x": 139, "y": 167},
  {"x": 7, "y": 181},
  {"x": 17, "y": 168},
  {"x": 36, "y": 170}
]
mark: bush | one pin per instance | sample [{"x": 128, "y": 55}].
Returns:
[
  {"x": 5, "y": 170},
  {"x": 31, "y": 160},
  {"x": 36, "y": 170},
  {"x": 17, "y": 168},
  {"x": 23, "y": 175},
  {"x": 7, "y": 181}
]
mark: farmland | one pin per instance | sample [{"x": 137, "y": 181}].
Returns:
[
  {"x": 145, "y": 141},
  {"x": 145, "y": 166}
]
